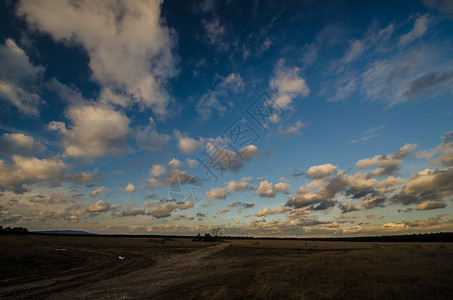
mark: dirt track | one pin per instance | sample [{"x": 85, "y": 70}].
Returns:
[{"x": 106, "y": 276}]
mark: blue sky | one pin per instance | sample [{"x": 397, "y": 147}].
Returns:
[{"x": 262, "y": 118}]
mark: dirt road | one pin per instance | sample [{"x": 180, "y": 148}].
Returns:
[{"x": 112, "y": 276}]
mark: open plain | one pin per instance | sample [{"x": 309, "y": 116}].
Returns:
[{"x": 101, "y": 267}]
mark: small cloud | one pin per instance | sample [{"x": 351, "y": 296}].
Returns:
[{"x": 130, "y": 188}]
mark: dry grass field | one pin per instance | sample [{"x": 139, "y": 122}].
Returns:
[{"x": 142, "y": 268}]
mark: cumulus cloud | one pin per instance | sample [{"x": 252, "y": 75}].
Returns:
[
  {"x": 216, "y": 193},
  {"x": 148, "y": 138},
  {"x": 223, "y": 159},
  {"x": 174, "y": 163},
  {"x": 157, "y": 170},
  {"x": 74, "y": 212},
  {"x": 55, "y": 198},
  {"x": 444, "y": 150},
  {"x": 26, "y": 170},
  {"x": 288, "y": 85},
  {"x": 322, "y": 198},
  {"x": 170, "y": 176},
  {"x": 431, "y": 204},
  {"x": 97, "y": 192},
  {"x": 130, "y": 188},
  {"x": 130, "y": 212},
  {"x": 161, "y": 209},
  {"x": 273, "y": 211},
  {"x": 19, "y": 144},
  {"x": 427, "y": 185},
  {"x": 388, "y": 163},
  {"x": 191, "y": 162},
  {"x": 267, "y": 190},
  {"x": 187, "y": 144},
  {"x": 230, "y": 187},
  {"x": 321, "y": 171},
  {"x": 19, "y": 78},
  {"x": 258, "y": 220},
  {"x": 95, "y": 130},
  {"x": 129, "y": 47}
]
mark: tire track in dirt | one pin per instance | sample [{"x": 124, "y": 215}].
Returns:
[
  {"x": 108, "y": 277},
  {"x": 167, "y": 272}
]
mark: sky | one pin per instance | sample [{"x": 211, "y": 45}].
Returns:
[{"x": 261, "y": 118}]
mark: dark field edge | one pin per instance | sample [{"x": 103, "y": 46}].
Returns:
[{"x": 422, "y": 237}]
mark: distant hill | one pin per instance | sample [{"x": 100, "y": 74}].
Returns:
[{"x": 64, "y": 232}]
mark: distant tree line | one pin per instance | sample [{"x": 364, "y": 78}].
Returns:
[
  {"x": 208, "y": 237},
  {"x": 14, "y": 230},
  {"x": 415, "y": 238}
]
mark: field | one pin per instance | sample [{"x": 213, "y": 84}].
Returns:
[{"x": 170, "y": 268}]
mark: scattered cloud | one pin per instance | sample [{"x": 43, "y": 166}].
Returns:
[
  {"x": 19, "y": 144},
  {"x": 212, "y": 100},
  {"x": 267, "y": 190},
  {"x": 19, "y": 79},
  {"x": 273, "y": 211},
  {"x": 288, "y": 84},
  {"x": 129, "y": 48},
  {"x": 148, "y": 138},
  {"x": 420, "y": 27},
  {"x": 95, "y": 130},
  {"x": 130, "y": 188}
]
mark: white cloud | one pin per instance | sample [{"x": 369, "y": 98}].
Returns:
[
  {"x": 426, "y": 185},
  {"x": 55, "y": 198},
  {"x": 148, "y": 138},
  {"x": 273, "y": 211},
  {"x": 235, "y": 186},
  {"x": 25, "y": 170},
  {"x": 171, "y": 176},
  {"x": 174, "y": 163},
  {"x": 258, "y": 220},
  {"x": 215, "y": 33},
  {"x": 186, "y": 144},
  {"x": 223, "y": 210},
  {"x": 19, "y": 144},
  {"x": 97, "y": 192},
  {"x": 431, "y": 204},
  {"x": 98, "y": 207},
  {"x": 18, "y": 79},
  {"x": 129, "y": 47},
  {"x": 288, "y": 84},
  {"x": 420, "y": 27},
  {"x": 321, "y": 171},
  {"x": 160, "y": 210},
  {"x": 216, "y": 193},
  {"x": 157, "y": 170},
  {"x": 95, "y": 131},
  {"x": 292, "y": 129},
  {"x": 191, "y": 162},
  {"x": 355, "y": 49},
  {"x": 267, "y": 190},
  {"x": 130, "y": 188},
  {"x": 213, "y": 99},
  {"x": 230, "y": 187},
  {"x": 59, "y": 127},
  {"x": 444, "y": 6},
  {"x": 387, "y": 163}
]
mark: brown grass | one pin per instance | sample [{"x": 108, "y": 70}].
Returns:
[{"x": 244, "y": 269}]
